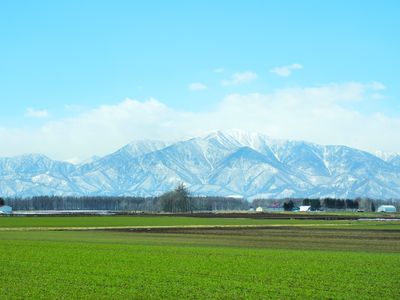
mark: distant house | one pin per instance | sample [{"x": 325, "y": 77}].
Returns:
[
  {"x": 305, "y": 208},
  {"x": 386, "y": 208},
  {"x": 259, "y": 209},
  {"x": 5, "y": 209}
]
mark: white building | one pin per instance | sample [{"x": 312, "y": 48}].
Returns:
[
  {"x": 387, "y": 208},
  {"x": 5, "y": 209},
  {"x": 305, "y": 208},
  {"x": 259, "y": 209}
]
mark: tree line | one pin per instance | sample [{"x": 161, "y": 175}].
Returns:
[
  {"x": 327, "y": 203},
  {"x": 180, "y": 200},
  {"x": 365, "y": 204}
]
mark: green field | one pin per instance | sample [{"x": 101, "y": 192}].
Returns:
[
  {"x": 139, "y": 221},
  {"x": 288, "y": 260}
]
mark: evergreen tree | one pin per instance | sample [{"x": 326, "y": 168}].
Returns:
[
  {"x": 288, "y": 206},
  {"x": 314, "y": 203}
]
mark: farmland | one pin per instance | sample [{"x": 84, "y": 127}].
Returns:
[
  {"x": 54, "y": 222},
  {"x": 116, "y": 221},
  {"x": 197, "y": 258}
]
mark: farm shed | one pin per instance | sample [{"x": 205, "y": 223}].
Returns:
[
  {"x": 305, "y": 208},
  {"x": 387, "y": 208},
  {"x": 5, "y": 209}
]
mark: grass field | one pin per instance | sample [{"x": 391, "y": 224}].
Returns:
[
  {"x": 144, "y": 221},
  {"x": 278, "y": 262}
]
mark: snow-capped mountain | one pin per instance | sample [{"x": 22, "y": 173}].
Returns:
[
  {"x": 220, "y": 163},
  {"x": 34, "y": 174}
]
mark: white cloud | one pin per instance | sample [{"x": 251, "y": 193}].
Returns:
[
  {"x": 36, "y": 113},
  {"x": 286, "y": 71},
  {"x": 197, "y": 86},
  {"x": 240, "y": 78},
  {"x": 317, "y": 114}
]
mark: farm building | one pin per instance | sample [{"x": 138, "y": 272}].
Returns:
[
  {"x": 5, "y": 209},
  {"x": 387, "y": 208},
  {"x": 259, "y": 209},
  {"x": 305, "y": 208}
]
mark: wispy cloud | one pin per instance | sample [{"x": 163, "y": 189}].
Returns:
[
  {"x": 307, "y": 113},
  {"x": 240, "y": 78},
  {"x": 377, "y": 86},
  {"x": 197, "y": 86},
  {"x": 286, "y": 71},
  {"x": 36, "y": 113}
]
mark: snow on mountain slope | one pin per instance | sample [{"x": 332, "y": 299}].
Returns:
[
  {"x": 219, "y": 163},
  {"x": 395, "y": 160},
  {"x": 105, "y": 175},
  {"x": 305, "y": 157},
  {"x": 126, "y": 153},
  {"x": 247, "y": 172},
  {"x": 34, "y": 174}
]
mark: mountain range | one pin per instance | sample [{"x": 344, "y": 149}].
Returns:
[{"x": 224, "y": 163}]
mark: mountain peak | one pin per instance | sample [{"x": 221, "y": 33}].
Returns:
[{"x": 235, "y": 133}]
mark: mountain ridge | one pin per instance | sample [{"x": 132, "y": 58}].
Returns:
[{"x": 223, "y": 163}]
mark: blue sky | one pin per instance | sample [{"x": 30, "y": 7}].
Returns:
[{"x": 65, "y": 60}]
